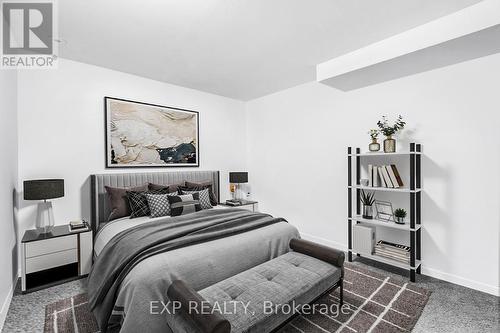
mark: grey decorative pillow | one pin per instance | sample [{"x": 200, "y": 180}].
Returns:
[
  {"x": 184, "y": 204},
  {"x": 139, "y": 204},
  {"x": 198, "y": 186},
  {"x": 158, "y": 204},
  {"x": 204, "y": 197},
  {"x": 172, "y": 188},
  {"x": 120, "y": 206}
]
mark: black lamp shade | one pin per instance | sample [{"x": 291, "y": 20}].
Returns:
[
  {"x": 42, "y": 189},
  {"x": 238, "y": 177}
]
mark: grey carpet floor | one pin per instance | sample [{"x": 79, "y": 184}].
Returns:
[{"x": 451, "y": 308}]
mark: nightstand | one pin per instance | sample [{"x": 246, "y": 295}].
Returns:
[
  {"x": 55, "y": 257},
  {"x": 248, "y": 205}
]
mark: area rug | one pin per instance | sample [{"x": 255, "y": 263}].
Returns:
[{"x": 372, "y": 303}]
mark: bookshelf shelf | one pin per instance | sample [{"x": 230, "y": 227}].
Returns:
[
  {"x": 386, "y": 224},
  {"x": 391, "y": 262},
  {"x": 386, "y": 154},
  {"x": 387, "y": 189},
  {"x": 412, "y": 229}
]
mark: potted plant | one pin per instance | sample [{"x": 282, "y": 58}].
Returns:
[
  {"x": 389, "y": 131},
  {"x": 367, "y": 199},
  {"x": 374, "y": 146},
  {"x": 400, "y": 215}
]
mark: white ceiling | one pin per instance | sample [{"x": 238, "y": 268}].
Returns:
[{"x": 241, "y": 49}]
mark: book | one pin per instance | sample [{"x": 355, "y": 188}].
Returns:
[
  {"x": 78, "y": 229},
  {"x": 77, "y": 224},
  {"x": 383, "y": 243},
  {"x": 382, "y": 180},
  {"x": 375, "y": 176},
  {"x": 392, "y": 251},
  {"x": 387, "y": 179},
  {"x": 398, "y": 176},
  {"x": 395, "y": 252},
  {"x": 233, "y": 203},
  {"x": 392, "y": 176},
  {"x": 370, "y": 175},
  {"x": 385, "y": 255},
  {"x": 402, "y": 254}
]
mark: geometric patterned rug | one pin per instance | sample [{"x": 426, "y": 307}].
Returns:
[
  {"x": 377, "y": 304},
  {"x": 372, "y": 303}
]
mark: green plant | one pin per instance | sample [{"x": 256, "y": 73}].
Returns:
[
  {"x": 400, "y": 212},
  {"x": 374, "y": 133},
  {"x": 367, "y": 198},
  {"x": 387, "y": 130}
]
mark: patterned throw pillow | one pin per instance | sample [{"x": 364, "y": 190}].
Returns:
[
  {"x": 184, "y": 204},
  {"x": 198, "y": 186},
  {"x": 119, "y": 202},
  {"x": 158, "y": 204},
  {"x": 204, "y": 197},
  {"x": 139, "y": 204}
]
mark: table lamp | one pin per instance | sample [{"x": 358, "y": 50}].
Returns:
[
  {"x": 44, "y": 189},
  {"x": 238, "y": 178}
]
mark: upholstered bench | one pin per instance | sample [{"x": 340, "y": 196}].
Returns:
[{"x": 248, "y": 300}]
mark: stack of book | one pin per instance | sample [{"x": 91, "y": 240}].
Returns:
[
  {"x": 384, "y": 176},
  {"x": 393, "y": 251},
  {"x": 78, "y": 225}
]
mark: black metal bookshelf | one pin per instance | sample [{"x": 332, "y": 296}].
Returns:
[{"x": 415, "y": 196}]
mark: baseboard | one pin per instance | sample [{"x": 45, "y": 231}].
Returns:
[
  {"x": 324, "y": 241},
  {"x": 490, "y": 289},
  {"x": 5, "y": 306}
]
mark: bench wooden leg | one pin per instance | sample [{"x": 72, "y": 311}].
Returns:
[{"x": 341, "y": 291}]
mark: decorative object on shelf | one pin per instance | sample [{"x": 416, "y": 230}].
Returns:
[
  {"x": 44, "y": 189},
  {"x": 148, "y": 135},
  {"x": 367, "y": 199},
  {"x": 384, "y": 211},
  {"x": 238, "y": 178},
  {"x": 78, "y": 225},
  {"x": 363, "y": 238},
  {"x": 364, "y": 182},
  {"x": 389, "y": 131},
  {"x": 374, "y": 146},
  {"x": 400, "y": 215}
]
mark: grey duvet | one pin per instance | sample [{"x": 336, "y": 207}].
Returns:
[{"x": 130, "y": 277}]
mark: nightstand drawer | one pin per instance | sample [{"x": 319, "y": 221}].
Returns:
[
  {"x": 47, "y": 246},
  {"x": 51, "y": 260}
]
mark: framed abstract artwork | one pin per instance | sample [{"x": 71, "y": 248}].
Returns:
[{"x": 142, "y": 135}]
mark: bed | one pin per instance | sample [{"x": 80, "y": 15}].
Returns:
[{"x": 231, "y": 241}]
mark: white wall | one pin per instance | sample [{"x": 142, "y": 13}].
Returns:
[
  {"x": 295, "y": 150},
  {"x": 297, "y": 142},
  {"x": 8, "y": 180},
  {"x": 61, "y": 129}
]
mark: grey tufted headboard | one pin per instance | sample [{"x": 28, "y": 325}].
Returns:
[{"x": 99, "y": 199}]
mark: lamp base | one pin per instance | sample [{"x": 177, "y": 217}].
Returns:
[
  {"x": 239, "y": 195},
  {"x": 44, "y": 217}
]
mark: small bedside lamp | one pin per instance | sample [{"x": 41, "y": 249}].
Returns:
[
  {"x": 43, "y": 189},
  {"x": 238, "y": 178}
]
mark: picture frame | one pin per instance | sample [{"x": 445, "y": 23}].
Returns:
[
  {"x": 384, "y": 210},
  {"x": 145, "y": 135}
]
